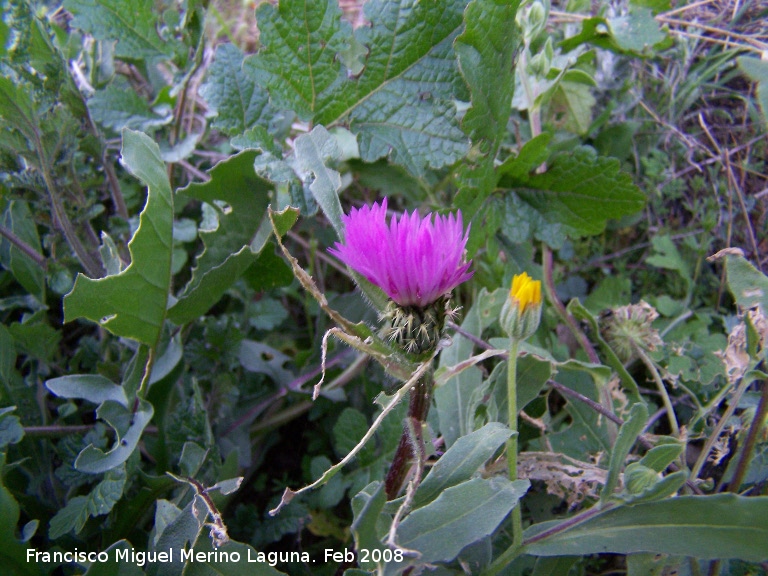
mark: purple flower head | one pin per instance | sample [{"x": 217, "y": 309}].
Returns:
[{"x": 414, "y": 260}]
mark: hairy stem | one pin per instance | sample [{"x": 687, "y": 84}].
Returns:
[
  {"x": 28, "y": 251},
  {"x": 418, "y": 408}
]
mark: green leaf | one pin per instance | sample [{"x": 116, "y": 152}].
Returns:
[
  {"x": 628, "y": 433},
  {"x": 367, "y": 507},
  {"x": 13, "y": 553},
  {"x": 132, "y": 304},
  {"x": 453, "y": 398},
  {"x": 17, "y": 218},
  {"x": 461, "y": 515},
  {"x": 91, "y": 387},
  {"x": 661, "y": 456},
  {"x": 748, "y": 285},
  {"x": 579, "y": 190},
  {"x": 486, "y": 56},
  {"x": 757, "y": 70},
  {"x": 11, "y": 431},
  {"x": 313, "y": 150},
  {"x": 239, "y": 199},
  {"x": 128, "y": 426},
  {"x": 240, "y": 103},
  {"x": 350, "y": 427},
  {"x": 636, "y": 31},
  {"x": 118, "y": 106},
  {"x": 400, "y": 105},
  {"x": 116, "y": 568},
  {"x": 461, "y": 461},
  {"x": 719, "y": 526},
  {"x": 98, "y": 502},
  {"x": 570, "y": 106},
  {"x": 132, "y": 23},
  {"x": 249, "y": 564}
]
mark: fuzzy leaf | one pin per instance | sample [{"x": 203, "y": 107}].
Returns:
[
  {"x": 132, "y": 304},
  {"x": 17, "y": 218},
  {"x": 119, "y": 106},
  {"x": 486, "y": 54},
  {"x": 579, "y": 190},
  {"x": 240, "y": 102},
  {"x": 400, "y": 104},
  {"x": 131, "y": 22}
]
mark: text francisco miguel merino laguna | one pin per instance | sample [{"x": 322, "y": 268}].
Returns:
[{"x": 165, "y": 556}]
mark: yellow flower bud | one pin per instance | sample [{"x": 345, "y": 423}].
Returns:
[{"x": 521, "y": 312}]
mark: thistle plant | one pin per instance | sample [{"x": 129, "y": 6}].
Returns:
[{"x": 417, "y": 262}]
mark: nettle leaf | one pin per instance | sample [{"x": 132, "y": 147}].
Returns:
[
  {"x": 133, "y": 23},
  {"x": 236, "y": 97},
  {"x": 401, "y": 103},
  {"x": 486, "y": 54},
  {"x": 239, "y": 199},
  {"x": 579, "y": 190},
  {"x": 132, "y": 304},
  {"x": 98, "y": 502}
]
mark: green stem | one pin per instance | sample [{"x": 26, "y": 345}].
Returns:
[
  {"x": 662, "y": 390},
  {"x": 517, "y": 518},
  {"x": 749, "y": 444}
]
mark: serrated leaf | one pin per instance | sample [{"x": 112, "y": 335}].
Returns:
[
  {"x": 17, "y": 218},
  {"x": 399, "y": 105},
  {"x": 461, "y": 515},
  {"x": 580, "y": 190},
  {"x": 98, "y": 502},
  {"x": 118, "y": 106},
  {"x": 132, "y": 304},
  {"x": 91, "y": 387},
  {"x": 486, "y": 52},
  {"x": 240, "y": 103},
  {"x": 239, "y": 198},
  {"x": 719, "y": 526},
  {"x": 128, "y": 427},
  {"x": 132, "y": 23}
]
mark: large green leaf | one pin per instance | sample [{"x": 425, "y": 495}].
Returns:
[
  {"x": 461, "y": 515},
  {"x": 719, "y": 526},
  {"x": 239, "y": 198},
  {"x": 399, "y": 105},
  {"x": 579, "y": 190},
  {"x": 132, "y": 304},
  {"x": 133, "y": 23},
  {"x": 486, "y": 53},
  {"x": 239, "y": 102}
]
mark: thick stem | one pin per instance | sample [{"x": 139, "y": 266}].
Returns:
[{"x": 418, "y": 408}]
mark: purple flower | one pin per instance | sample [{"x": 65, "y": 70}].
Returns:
[{"x": 414, "y": 260}]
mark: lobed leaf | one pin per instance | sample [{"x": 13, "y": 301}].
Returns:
[{"x": 132, "y": 304}]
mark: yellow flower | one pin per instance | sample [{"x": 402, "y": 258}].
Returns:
[
  {"x": 525, "y": 291},
  {"x": 521, "y": 312}
]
